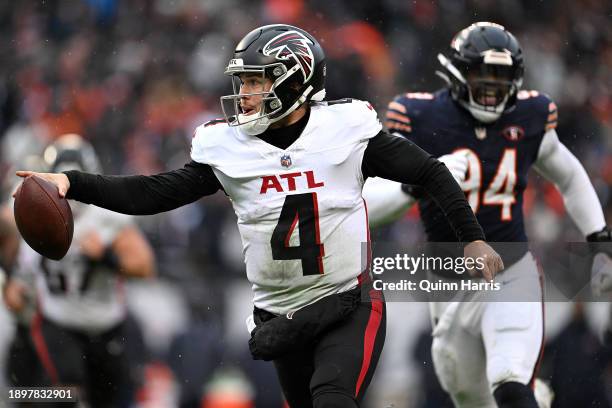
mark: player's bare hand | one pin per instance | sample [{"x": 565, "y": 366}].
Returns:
[
  {"x": 92, "y": 246},
  {"x": 15, "y": 294},
  {"x": 486, "y": 262},
  {"x": 59, "y": 179}
]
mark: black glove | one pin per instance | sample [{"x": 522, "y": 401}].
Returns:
[
  {"x": 600, "y": 250},
  {"x": 601, "y": 241},
  {"x": 285, "y": 334},
  {"x": 605, "y": 235}
]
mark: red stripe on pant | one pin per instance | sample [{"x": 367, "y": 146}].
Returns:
[
  {"x": 41, "y": 348},
  {"x": 370, "y": 337}
]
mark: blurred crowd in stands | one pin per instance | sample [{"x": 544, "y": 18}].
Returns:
[{"x": 135, "y": 77}]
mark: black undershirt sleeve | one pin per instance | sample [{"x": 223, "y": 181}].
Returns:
[
  {"x": 144, "y": 195},
  {"x": 398, "y": 159}
]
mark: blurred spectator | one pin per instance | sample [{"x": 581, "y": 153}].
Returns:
[{"x": 579, "y": 363}]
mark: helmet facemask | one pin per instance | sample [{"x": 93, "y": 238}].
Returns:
[
  {"x": 489, "y": 87},
  {"x": 484, "y": 70},
  {"x": 71, "y": 152},
  {"x": 283, "y": 97},
  {"x": 484, "y": 88}
]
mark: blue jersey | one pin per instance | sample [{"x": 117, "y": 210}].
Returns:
[{"x": 499, "y": 155}]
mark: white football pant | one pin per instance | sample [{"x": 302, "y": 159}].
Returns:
[{"x": 479, "y": 344}]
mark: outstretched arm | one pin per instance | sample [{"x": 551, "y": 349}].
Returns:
[
  {"x": 136, "y": 195},
  {"x": 558, "y": 165}
]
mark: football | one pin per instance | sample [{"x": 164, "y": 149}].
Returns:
[{"x": 43, "y": 218}]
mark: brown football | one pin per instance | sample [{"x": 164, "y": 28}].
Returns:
[{"x": 44, "y": 218}]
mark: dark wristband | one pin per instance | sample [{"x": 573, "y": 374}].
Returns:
[
  {"x": 110, "y": 259},
  {"x": 601, "y": 241},
  {"x": 605, "y": 235},
  {"x": 8, "y": 272}
]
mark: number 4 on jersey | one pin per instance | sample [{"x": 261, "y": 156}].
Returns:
[
  {"x": 299, "y": 210},
  {"x": 500, "y": 190}
]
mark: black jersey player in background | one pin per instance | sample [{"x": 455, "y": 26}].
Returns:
[{"x": 489, "y": 133}]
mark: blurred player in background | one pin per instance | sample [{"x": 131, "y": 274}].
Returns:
[
  {"x": 79, "y": 332},
  {"x": 489, "y": 134},
  {"x": 23, "y": 367},
  {"x": 294, "y": 166}
]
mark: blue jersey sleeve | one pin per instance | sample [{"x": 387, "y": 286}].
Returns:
[
  {"x": 404, "y": 114},
  {"x": 539, "y": 114},
  {"x": 541, "y": 108}
]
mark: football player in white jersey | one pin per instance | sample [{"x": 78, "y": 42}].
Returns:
[
  {"x": 293, "y": 167},
  {"x": 489, "y": 134},
  {"x": 79, "y": 330}
]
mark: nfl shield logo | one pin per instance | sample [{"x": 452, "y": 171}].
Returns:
[
  {"x": 286, "y": 160},
  {"x": 481, "y": 132}
]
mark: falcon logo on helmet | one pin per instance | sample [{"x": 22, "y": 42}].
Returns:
[{"x": 292, "y": 44}]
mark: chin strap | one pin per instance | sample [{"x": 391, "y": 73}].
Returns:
[
  {"x": 296, "y": 105},
  {"x": 260, "y": 125},
  {"x": 481, "y": 115},
  {"x": 254, "y": 127}
]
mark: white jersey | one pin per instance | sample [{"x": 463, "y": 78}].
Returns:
[
  {"x": 300, "y": 212},
  {"x": 72, "y": 293}
]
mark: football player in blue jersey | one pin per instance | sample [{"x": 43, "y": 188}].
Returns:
[{"x": 489, "y": 133}]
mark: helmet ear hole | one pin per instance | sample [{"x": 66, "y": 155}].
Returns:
[
  {"x": 275, "y": 104},
  {"x": 278, "y": 71}
]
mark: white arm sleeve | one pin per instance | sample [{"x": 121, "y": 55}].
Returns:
[
  {"x": 558, "y": 165},
  {"x": 385, "y": 200}
]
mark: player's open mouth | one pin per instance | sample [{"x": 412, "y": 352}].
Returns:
[
  {"x": 488, "y": 96},
  {"x": 488, "y": 100},
  {"x": 248, "y": 111},
  {"x": 487, "y": 93}
]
